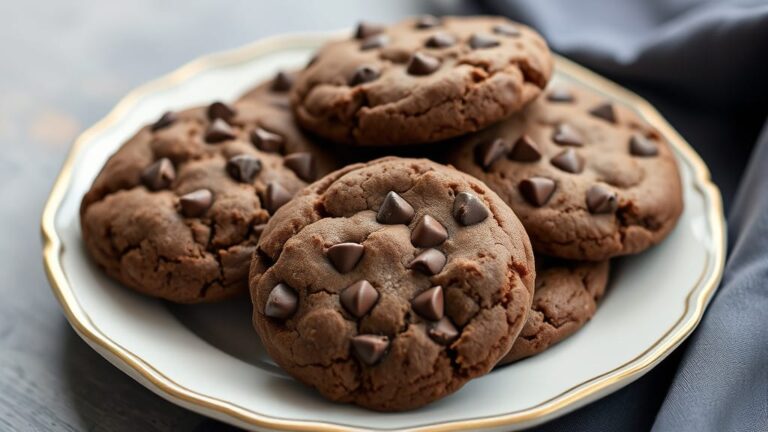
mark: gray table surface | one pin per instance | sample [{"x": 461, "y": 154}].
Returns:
[{"x": 64, "y": 65}]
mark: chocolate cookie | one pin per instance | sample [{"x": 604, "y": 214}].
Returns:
[
  {"x": 391, "y": 284},
  {"x": 177, "y": 211},
  {"x": 588, "y": 178},
  {"x": 420, "y": 80},
  {"x": 566, "y": 298}
]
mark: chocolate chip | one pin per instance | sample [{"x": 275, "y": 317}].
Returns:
[
  {"x": 428, "y": 232},
  {"x": 266, "y": 141},
  {"x": 537, "y": 190},
  {"x": 422, "y": 64},
  {"x": 282, "y": 82},
  {"x": 569, "y": 161},
  {"x": 243, "y": 168},
  {"x": 506, "y": 30},
  {"x": 394, "y": 210},
  {"x": 491, "y": 151},
  {"x": 560, "y": 94},
  {"x": 440, "y": 40},
  {"x": 159, "y": 175},
  {"x": 427, "y": 21},
  {"x": 219, "y": 131},
  {"x": 282, "y": 302},
  {"x": 365, "y": 30},
  {"x": 525, "y": 150},
  {"x": 375, "y": 41},
  {"x": 429, "y": 304},
  {"x": 480, "y": 40},
  {"x": 370, "y": 348},
  {"x": 639, "y": 145},
  {"x": 165, "y": 120},
  {"x": 604, "y": 111},
  {"x": 359, "y": 298},
  {"x": 275, "y": 197},
  {"x": 220, "y": 110},
  {"x": 345, "y": 256},
  {"x": 601, "y": 200},
  {"x": 443, "y": 331},
  {"x": 364, "y": 74},
  {"x": 429, "y": 262},
  {"x": 565, "y": 134},
  {"x": 468, "y": 209},
  {"x": 303, "y": 164},
  {"x": 196, "y": 202}
]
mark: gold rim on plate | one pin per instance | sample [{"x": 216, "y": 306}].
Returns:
[{"x": 696, "y": 300}]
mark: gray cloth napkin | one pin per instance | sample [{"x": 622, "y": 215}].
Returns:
[{"x": 704, "y": 64}]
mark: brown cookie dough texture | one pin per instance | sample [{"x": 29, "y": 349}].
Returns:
[
  {"x": 391, "y": 284},
  {"x": 566, "y": 298},
  {"x": 421, "y": 80},
  {"x": 587, "y": 177},
  {"x": 177, "y": 211}
]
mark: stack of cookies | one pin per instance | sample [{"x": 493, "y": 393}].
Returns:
[{"x": 390, "y": 282}]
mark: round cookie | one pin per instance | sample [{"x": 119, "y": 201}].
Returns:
[
  {"x": 177, "y": 211},
  {"x": 565, "y": 299},
  {"x": 588, "y": 178},
  {"x": 421, "y": 80},
  {"x": 391, "y": 284}
]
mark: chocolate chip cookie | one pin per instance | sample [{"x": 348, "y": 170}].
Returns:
[
  {"x": 421, "y": 80},
  {"x": 566, "y": 298},
  {"x": 588, "y": 177},
  {"x": 391, "y": 284},
  {"x": 177, "y": 211}
]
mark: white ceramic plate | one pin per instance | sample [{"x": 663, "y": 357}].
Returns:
[{"x": 208, "y": 359}]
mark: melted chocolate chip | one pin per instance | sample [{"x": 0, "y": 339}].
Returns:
[
  {"x": 491, "y": 151},
  {"x": 537, "y": 190},
  {"x": 303, "y": 164},
  {"x": 243, "y": 168},
  {"x": 560, "y": 94},
  {"x": 565, "y": 134},
  {"x": 359, "y": 298},
  {"x": 429, "y": 304},
  {"x": 345, "y": 256},
  {"x": 639, "y": 145},
  {"x": 440, "y": 40},
  {"x": 481, "y": 41},
  {"x": 601, "y": 200},
  {"x": 506, "y": 30},
  {"x": 370, "y": 348},
  {"x": 219, "y": 131},
  {"x": 195, "y": 203},
  {"x": 220, "y": 110},
  {"x": 443, "y": 331},
  {"x": 422, "y": 64},
  {"x": 525, "y": 150},
  {"x": 364, "y": 74},
  {"x": 604, "y": 111},
  {"x": 275, "y": 196},
  {"x": 428, "y": 233},
  {"x": 394, "y": 210},
  {"x": 373, "y": 42},
  {"x": 569, "y": 161},
  {"x": 430, "y": 262},
  {"x": 365, "y": 30},
  {"x": 266, "y": 141},
  {"x": 282, "y": 302},
  {"x": 468, "y": 209},
  {"x": 159, "y": 175}
]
